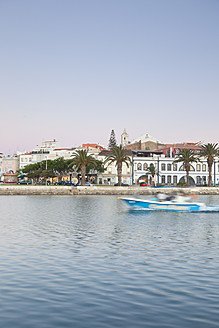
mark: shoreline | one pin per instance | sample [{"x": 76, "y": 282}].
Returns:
[{"x": 102, "y": 190}]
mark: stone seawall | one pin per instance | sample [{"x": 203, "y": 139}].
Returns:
[{"x": 101, "y": 190}]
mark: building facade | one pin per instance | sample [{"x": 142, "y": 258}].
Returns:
[
  {"x": 49, "y": 150},
  {"x": 170, "y": 173}
]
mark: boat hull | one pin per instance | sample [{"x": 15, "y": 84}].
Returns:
[{"x": 162, "y": 206}]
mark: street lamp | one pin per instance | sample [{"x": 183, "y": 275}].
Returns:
[{"x": 46, "y": 170}]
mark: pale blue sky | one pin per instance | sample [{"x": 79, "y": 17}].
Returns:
[{"x": 75, "y": 70}]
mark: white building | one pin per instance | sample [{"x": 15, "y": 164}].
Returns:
[
  {"x": 125, "y": 138},
  {"x": 1, "y": 173},
  {"x": 109, "y": 176},
  {"x": 24, "y": 160},
  {"x": 49, "y": 150},
  {"x": 169, "y": 173}
]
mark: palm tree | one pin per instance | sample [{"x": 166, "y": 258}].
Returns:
[
  {"x": 152, "y": 171},
  {"x": 187, "y": 156},
  {"x": 118, "y": 156},
  {"x": 81, "y": 159},
  {"x": 209, "y": 151}
]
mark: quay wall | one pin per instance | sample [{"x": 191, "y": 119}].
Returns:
[{"x": 101, "y": 190}]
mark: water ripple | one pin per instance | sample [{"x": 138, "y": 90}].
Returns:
[{"x": 87, "y": 261}]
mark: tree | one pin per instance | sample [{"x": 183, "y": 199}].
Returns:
[
  {"x": 60, "y": 166},
  {"x": 209, "y": 151},
  {"x": 97, "y": 166},
  {"x": 112, "y": 140},
  {"x": 152, "y": 171},
  {"x": 118, "y": 156},
  {"x": 81, "y": 159},
  {"x": 47, "y": 169},
  {"x": 187, "y": 156},
  {"x": 33, "y": 171}
]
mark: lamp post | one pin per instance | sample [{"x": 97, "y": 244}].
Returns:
[
  {"x": 215, "y": 180},
  {"x": 46, "y": 170},
  {"x": 158, "y": 173}
]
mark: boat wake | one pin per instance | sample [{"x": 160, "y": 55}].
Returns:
[{"x": 210, "y": 208}]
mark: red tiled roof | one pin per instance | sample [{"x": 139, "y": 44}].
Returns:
[
  {"x": 62, "y": 149},
  {"x": 92, "y": 145},
  {"x": 185, "y": 145}
]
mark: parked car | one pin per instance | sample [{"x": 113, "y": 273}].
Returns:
[
  {"x": 123, "y": 184},
  {"x": 69, "y": 183},
  {"x": 24, "y": 182},
  {"x": 86, "y": 184},
  {"x": 144, "y": 184},
  {"x": 60, "y": 183}
]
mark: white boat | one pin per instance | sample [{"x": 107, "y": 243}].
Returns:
[{"x": 178, "y": 203}]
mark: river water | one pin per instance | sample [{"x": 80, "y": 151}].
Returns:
[{"x": 87, "y": 261}]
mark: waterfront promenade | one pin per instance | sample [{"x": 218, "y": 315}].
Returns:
[{"x": 101, "y": 190}]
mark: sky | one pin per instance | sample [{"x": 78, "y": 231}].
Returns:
[{"x": 75, "y": 70}]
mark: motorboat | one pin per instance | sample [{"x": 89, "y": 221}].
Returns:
[{"x": 176, "y": 203}]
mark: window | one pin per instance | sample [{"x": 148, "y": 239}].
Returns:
[
  {"x": 182, "y": 168},
  {"x": 163, "y": 167},
  {"x": 204, "y": 167},
  {"x": 163, "y": 179},
  {"x": 175, "y": 179},
  {"x": 198, "y": 180},
  {"x": 169, "y": 179},
  {"x": 174, "y": 167},
  {"x": 139, "y": 167},
  {"x": 145, "y": 166},
  {"x": 204, "y": 180},
  {"x": 198, "y": 168},
  {"x": 128, "y": 169},
  {"x": 168, "y": 167}
]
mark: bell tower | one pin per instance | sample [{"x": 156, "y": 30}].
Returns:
[{"x": 124, "y": 138}]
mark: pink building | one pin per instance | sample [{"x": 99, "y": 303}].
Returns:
[{"x": 10, "y": 164}]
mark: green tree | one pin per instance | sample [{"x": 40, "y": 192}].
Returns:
[
  {"x": 209, "y": 151},
  {"x": 81, "y": 160},
  {"x": 187, "y": 156},
  {"x": 97, "y": 166},
  {"x": 118, "y": 156},
  {"x": 33, "y": 171},
  {"x": 112, "y": 140},
  {"x": 152, "y": 171},
  {"x": 60, "y": 166}
]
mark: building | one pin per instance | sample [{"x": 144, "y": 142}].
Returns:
[
  {"x": 152, "y": 152},
  {"x": 9, "y": 168},
  {"x": 43, "y": 152},
  {"x": 92, "y": 148},
  {"x": 109, "y": 176},
  {"x": 49, "y": 150},
  {"x": 125, "y": 138},
  {"x": 24, "y": 160},
  {"x": 169, "y": 173},
  {"x": 145, "y": 142},
  {"x": 1, "y": 173},
  {"x": 10, "y": 164}
]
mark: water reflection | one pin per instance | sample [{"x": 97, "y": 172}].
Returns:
[{"x": 88, "y": 261}]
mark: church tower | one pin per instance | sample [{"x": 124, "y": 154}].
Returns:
[{"x": 124, "y": 138}]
